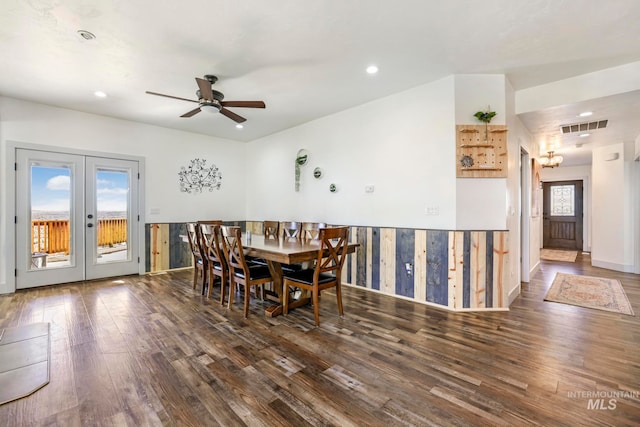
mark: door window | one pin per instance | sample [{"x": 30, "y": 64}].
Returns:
[
  {"x": 112, "y": 200},
  {"x": 562, "y": 200},
  {"x": 50, "y": 213}
]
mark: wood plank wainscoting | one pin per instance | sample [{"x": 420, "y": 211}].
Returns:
[
  {"x": 152, "y": 351},
  {"x": 456, "y": 270}
]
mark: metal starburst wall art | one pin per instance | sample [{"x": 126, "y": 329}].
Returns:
[{"x": 197, "y": 176}]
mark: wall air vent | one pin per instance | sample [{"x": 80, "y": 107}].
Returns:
[{"x": 582, "y": 127}]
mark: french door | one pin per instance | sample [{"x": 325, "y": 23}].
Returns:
[{"x": 77, "y": 217}]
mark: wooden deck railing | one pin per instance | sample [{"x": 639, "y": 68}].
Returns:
[{"x": 53, "y": 236}]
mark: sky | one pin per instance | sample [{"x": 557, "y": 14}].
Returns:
[{"x": 50, "y": 189}]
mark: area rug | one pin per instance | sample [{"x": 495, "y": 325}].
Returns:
[
  {"x": 591, "y": 292},
  {"x": 558, "y": 255},
  {"x": 24, "y": 360}
]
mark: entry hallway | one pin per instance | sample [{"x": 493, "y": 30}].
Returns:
[{"x": 150, "y": 350}]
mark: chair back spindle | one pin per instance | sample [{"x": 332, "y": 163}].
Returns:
[
  {"x": 232, "y": 244},
  {"x": 291, "y": 230},
  {"x": 326, "y": 273},
  {"x": 216, "y": 261},
  {"x": 271, "y": 229},
  {"x": 333, "y": 252},
  {"x": 311, "y": 230},
  {"x": 199, "y": 262},
  {"x": 239, "y": 271}
]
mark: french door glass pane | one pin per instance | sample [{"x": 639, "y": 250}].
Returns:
[
  {"x": 112, "y": 200},
  {"x": 562, "y": 200},
  {"x": 50, "y": 215}
]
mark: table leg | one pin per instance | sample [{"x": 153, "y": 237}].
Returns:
[
  {"x": 276, "y": 272},
  {"x": 275, "y": 310}
]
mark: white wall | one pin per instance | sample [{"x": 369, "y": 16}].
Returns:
[
  {"x": 165, "y": 151},
  {"x": 520, "y": 223},
  {"x": 403, "y": 145},
  {"x": 481, "y": 203},
  {"x": 613, "y": 207}
]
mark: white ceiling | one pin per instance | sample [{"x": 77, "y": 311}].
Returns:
[{"x": 304, "y": 59}]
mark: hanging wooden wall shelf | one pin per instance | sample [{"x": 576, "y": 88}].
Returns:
[{"x": 481, "y": 151}]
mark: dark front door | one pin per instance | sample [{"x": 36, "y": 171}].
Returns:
[{"x": 562, "y": 213}]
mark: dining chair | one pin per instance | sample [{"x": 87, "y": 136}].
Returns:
[
  {"x": 216, "y": 261},
  {"x": 291, "y": 230},
  {"x": 271, "y": 229},
  {"x": 240, "y": 272},
  {"x": 311, "y": 230},
  {"x": 325, "y": 274},
  {"x": 203, "y": 249},
  {"x": 207, "y": 222},
  {"x": 193, "y": 236}
]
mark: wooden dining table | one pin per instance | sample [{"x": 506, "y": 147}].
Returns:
[{"x": 280, "y": 251}]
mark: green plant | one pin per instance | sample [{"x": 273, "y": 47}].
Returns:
[{"x": 485, "y": 116}]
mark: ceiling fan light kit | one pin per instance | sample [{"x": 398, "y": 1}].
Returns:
[
  {"x": 550, "y": 160},
  {"x": 212, "y": 101},
  {"x": 211, "y": 108}
]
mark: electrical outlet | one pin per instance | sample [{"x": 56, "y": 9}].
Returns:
[
  {"x": 408, "y": 268},
  {"x": 368, "y": 188}
]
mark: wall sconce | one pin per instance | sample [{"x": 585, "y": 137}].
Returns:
[{"x": 550, "y": 160}]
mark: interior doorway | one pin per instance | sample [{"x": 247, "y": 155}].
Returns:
[
  {"x": 563, "y": 215},
  {"x": 77, "y": 217}
]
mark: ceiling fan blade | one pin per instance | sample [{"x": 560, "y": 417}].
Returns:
[
  {"x": 205, "y": 89},
  {"x": 233, "y": 116},
  {"x": 244, "y": 104},
  {"x": 191, "y": 113},
  {"x": 169, "y": 96}
]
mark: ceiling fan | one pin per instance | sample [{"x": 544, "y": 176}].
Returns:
[{"x": 212, "y": 100}]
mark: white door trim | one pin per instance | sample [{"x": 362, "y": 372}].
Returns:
[{"x": 10, "y": 197}]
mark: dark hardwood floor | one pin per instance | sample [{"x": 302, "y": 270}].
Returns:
[{"x": 150, "y": 350}]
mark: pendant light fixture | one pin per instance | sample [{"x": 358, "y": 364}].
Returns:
[{"x": 550, "y": 160}]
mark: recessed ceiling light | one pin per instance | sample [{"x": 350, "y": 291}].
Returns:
[
  {"x": 585, "y": 114},
  {"x": 584, "y": 135},
  {"x": 100, "y": 94},
  {"x": 239, "y": 126},
  {"x": 372, "y": 69},
  {"x": 87, "y": 35}
]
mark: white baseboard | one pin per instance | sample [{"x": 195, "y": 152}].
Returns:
[
  {"x": 612, "y": 266},
  {"x": 513, "y": 294},
  {"x": 534, "y": 269}
]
